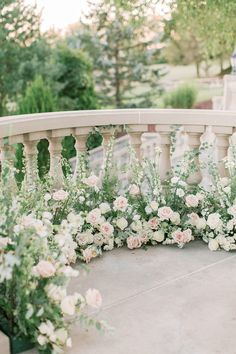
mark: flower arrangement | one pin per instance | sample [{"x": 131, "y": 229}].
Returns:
[{"x": 43, "y": 232}]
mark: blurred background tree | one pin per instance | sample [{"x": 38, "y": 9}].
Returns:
[{"x": 122, "y": 39}]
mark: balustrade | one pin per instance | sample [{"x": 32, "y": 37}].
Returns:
[{"x": 196, "y": 128}]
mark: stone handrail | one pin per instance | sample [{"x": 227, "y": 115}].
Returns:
[{"x": 197, "y": 127}]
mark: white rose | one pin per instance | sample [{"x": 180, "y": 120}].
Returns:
[
  {"x": 158, "y": 236},
  {"x": 68, "y": 304},
  {"x": 214, "y": 221},
  {"x": 60, "y": 195},
  {"x": 93, "y": 298},
  {"x": 46, "y": 328},
  {"x": 54, "y": 292},
  {"x": 154, "y": 205},
  {"x": 42, "y": 339},
  {"x": 201, "y": 223},
  {"x": 122, "y": 223},
  {"x": 174, "y": 180},
  {"x": 104, "y": 207},
  {"x": 47, "y": 215},
  {"x": 148, "y": 209},
  {"x": 180, "y": 192},
  {"x": 61, "y": 335},
  {"x": 213, "y": 244}
]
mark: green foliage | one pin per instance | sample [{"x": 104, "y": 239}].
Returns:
[
  {"x": 72, "y": 79},
  {"x": 122, "y": 43},
  {"x": 19, "y": 29},
  {"x": 182, "y": 97},
  {"x": 209, "y": 23}
]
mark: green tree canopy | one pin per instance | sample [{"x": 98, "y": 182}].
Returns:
[
  {"x": 121, "y": 38},
  {"x": 19, "y": 29}
]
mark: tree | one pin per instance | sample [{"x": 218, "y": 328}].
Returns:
[
  {"x": 72, "y": 79},
  {"x": 211, "y": 21},
  {"x": 19, "y": 29},
  {"x": 121, "y": 37}
]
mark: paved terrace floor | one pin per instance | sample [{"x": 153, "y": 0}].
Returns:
[{"x": 162, "y": 301}]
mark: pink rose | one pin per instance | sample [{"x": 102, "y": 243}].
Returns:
[
  {"x": 134, "y": 242},
  {"x": 165, "y": 213},
  {"x": 45, "y": 269},
  {"x": 94, "y": 216},
  {"x": 93, "y": 298},
  {"x": 107, "y": 229},
  {"x": 153, "y": 223},
  {"x": 120, "y": 203},
  {"x": 91, "y": 181},
  {"x": 182, "y": 237},
  {"x": 191, "y": 201},
  {"x": 60, "y": 195}
]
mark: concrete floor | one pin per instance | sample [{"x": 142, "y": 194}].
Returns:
[{"x": 162, "y": 301}]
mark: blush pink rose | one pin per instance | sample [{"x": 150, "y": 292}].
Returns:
[
  {"x": 120, "y": 203},
  {"x": 153, "y": 223},
  {"x": 93, "y": 298},
  {"x": 165, "y": 213},
  {"x": 182, "y": 237},
  {"x": 134, "y": 242},
  {"x": 60, "y": 195},
  {"x": 45, "y": 269},
  {"x": 107, "y": 229},
  {"x": 134, "y": 189},
  {"x": 91, "y": 181}
]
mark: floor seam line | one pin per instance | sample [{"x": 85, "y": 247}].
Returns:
[{"x": 166, "y": 283}]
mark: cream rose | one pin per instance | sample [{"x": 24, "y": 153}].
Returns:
[
  {"x": 213, "y": 244},
  {"x": 94, "y": 216},
  {"x": 158, "y": 236},
  {"x": 93, "y": 298},
  {"x": 121, "y": 223},
  {"x": 134, "y": 189},
  {"x": 68, "y": 304},
  {"x": 191, "y": 201},
  {"x": 175, "y": 218},
  {"x": 104, "y": 207}
]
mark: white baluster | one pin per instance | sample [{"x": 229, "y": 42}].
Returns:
[
  {"x": 7, "y": 165},
  {"x": 222, "y": 143},
  {"x": 164, "y": 143},
  {"x": 135, "y": 134},
  {"x": 31, "y": 163},
  {"x": 55, "y": 149},
  {"x": 207, "y": 156},
  {"x": 194, "y": 135},
  {"x": 81, "y": 136}
]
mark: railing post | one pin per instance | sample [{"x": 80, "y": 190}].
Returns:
[
  {"x": 55, "y": 172},
  {"x": 31, "y": 163},
  {"x": 164, "y": 133},
  {"x": 81, "y": 136},
  {"x": 222, "y": 145},
  {"x": 7, "y": 163},
  {"x": 135, "y": 134},
  {"x": 194, "y": 133}
]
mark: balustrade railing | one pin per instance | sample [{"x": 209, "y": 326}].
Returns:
[{"x": 147, "y": 128}]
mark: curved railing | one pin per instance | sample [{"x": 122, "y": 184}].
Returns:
[{"x": 198, "y": 126}]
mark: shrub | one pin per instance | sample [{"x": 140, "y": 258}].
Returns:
[{"x": 183, "y": 96}]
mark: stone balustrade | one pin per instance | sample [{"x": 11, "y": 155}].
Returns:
[{"x": 147, "y": 129}]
